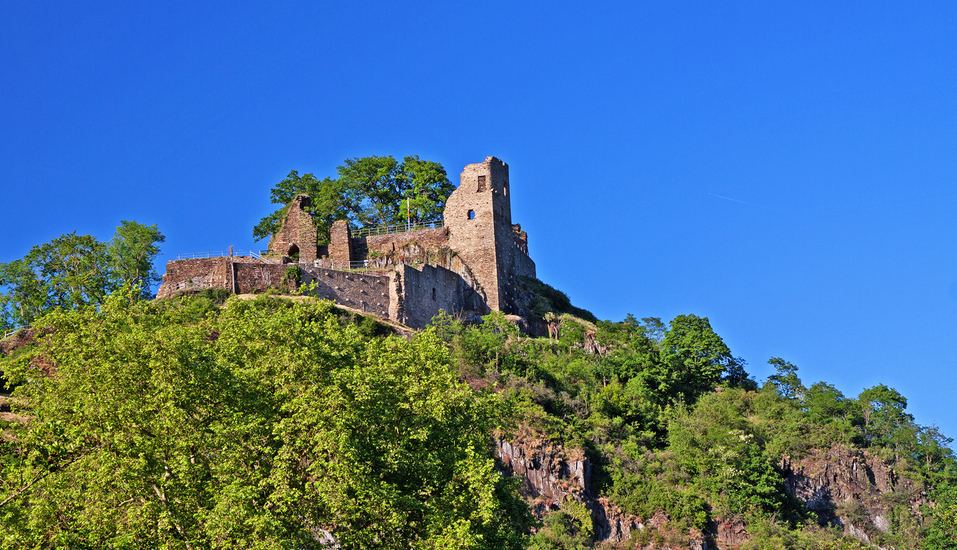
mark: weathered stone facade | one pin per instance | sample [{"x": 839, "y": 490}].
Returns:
[
  {"x": 297, "y": 236},
  {"x": 479, "y": 217},
  {"x": 469, "y": 265}
]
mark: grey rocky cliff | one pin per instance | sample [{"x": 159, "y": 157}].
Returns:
[
  {"x": 826, "y": 480},
  {"x": 851, "y": 488}
]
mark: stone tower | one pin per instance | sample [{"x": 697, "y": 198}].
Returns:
[{"x": 479, "y": 217}]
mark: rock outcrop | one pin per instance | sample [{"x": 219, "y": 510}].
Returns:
[
  {"x": 844, "y": 487},
  {"x": 850, "y": 488}
]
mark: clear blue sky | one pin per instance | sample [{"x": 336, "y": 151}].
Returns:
[{"x": 787, "y": 171}]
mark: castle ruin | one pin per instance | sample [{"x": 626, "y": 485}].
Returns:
[{"x": 470, "y": 262}]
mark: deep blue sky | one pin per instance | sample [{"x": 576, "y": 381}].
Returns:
[{"x": 788, "y": 172}]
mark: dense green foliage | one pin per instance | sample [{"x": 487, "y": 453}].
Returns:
[
  {"x": 368, "y": 191},
  {"x": 548, "y": 299},
  {"x": 73, "y": 271},
  {"x": 675, "y": 425},
  {"x": 206, "y": 421},
  {"x": 263, "y": 424}
]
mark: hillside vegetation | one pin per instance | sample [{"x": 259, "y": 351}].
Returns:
[{"x": 269, "y": 423}]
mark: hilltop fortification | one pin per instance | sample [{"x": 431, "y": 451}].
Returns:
[{"x": 468, "y": 262}]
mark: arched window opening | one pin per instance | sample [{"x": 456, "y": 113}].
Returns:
[
  {"x": 471, "y": 214},
  {"x": 293, "y": 252}
]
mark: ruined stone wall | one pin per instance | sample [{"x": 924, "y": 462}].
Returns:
[
  {"x": 297, "y": 234},
  {"x": 363, "y": 291},
  {"x": 340, "y": 245},
  {"x": 513, "y": 263},
  {"x": 427, "y": 291},
  {"x": 471, "y": 264},
  {"x": 256, "y": 277},
  {"x": 470, "y": 217},
  {"x": 386, "y": 244},
  {"x": 199, "y": 273}
]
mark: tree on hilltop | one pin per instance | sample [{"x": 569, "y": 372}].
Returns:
[
  {"x": 73, "y": 271},
  {"x": 369, "y": 191}
]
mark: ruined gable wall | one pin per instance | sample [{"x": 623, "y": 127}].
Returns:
[{"x": 297, "y": 230}]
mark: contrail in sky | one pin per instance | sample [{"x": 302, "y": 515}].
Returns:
[{"x": 736, "y": 200}]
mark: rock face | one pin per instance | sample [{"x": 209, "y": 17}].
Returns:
[
  {"x": 832, "y": 482},
  {"x": 847, "y": 487},
  {"x": 552, "y": 474},
  {"x": 16, "y": 341}
]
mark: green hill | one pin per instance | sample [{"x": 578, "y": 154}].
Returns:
[{"x": 272, "y": 423}]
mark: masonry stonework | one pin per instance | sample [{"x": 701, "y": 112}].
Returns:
[
  {"x": 479, "y": 217},
  {"x": 340, "y": 245},
  {"x": 472, "y": 264},
  {"x": 298, "y": 235}
]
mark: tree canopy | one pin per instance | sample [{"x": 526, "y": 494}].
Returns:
[
  {"x": 278, "y": 424},
  {"x": 265, "y": 424},
  {"x": 73, "y": 271},
  {"x": 368, "y": 191}
]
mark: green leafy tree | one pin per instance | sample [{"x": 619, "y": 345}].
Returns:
[
  {"x": 368, "y": 191},
  {"x": 69, "y": 272},
  {"x": 717, "y": 446},
  {"x": 883, "y": 411},
  {"x": 568, "y": 529},
  {"x": 73, "y": 271},
  {"x": 131, "y": 255},
  {"x": 265, "y": 424},
  {"x": 327, "y": 204},
  {"x": 824, "y": 404},
  {"x": 785, "y": 379},
  {"x": 695, "y": 355}
]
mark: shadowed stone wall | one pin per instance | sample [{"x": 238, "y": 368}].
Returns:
[
  {"x": 363, "y": 291},
  {"x": 432, "y": 289}
]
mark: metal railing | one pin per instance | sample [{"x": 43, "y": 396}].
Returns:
[
  {"x": 222, "y": 253},
  {"x": 12, "y": 331},
  {"x": 345, "y": 266},
  {"x": 398, "y": 228}
]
